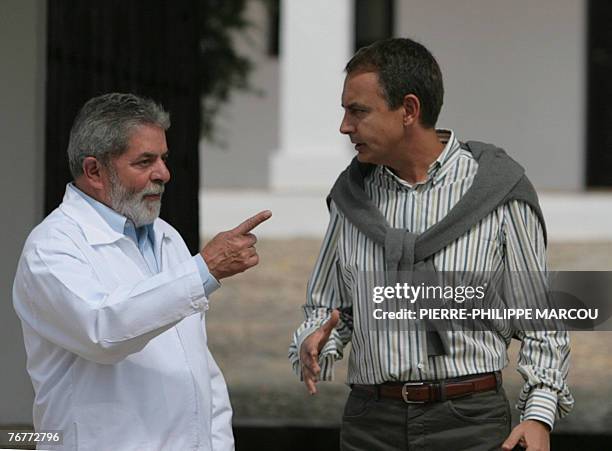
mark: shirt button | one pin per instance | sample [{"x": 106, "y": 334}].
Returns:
[{"x": 420, "y": 365}]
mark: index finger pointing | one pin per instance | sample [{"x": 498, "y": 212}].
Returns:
[{"x": 252, "y": 222}]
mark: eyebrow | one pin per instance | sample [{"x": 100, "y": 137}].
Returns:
[
  {"x": 151, "y": 155},
  {"x": 353, "y": 105}
]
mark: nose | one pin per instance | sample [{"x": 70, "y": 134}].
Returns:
[
  {"x": 160, "y": 173},
  {"x": 346, "y": 127}
]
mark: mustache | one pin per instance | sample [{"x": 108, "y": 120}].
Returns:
[{"x": 153, "y": 190}]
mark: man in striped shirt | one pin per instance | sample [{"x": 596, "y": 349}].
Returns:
[{"x": 402, "y": 394}]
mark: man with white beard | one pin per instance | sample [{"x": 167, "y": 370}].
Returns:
[{"x": 113, "y": 305}]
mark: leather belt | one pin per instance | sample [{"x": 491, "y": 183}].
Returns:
[{"x": 432, "y": 391}]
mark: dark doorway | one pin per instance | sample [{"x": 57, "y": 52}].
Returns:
[
  {"x": 373, "y": 21},
  {"x": 599, "y": 106},
  {"x": 148, "y": 48}
]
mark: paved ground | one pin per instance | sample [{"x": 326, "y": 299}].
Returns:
[{"x": 253, "y": 316}]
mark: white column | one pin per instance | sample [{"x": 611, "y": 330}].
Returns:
[{"x": 316, "y": 43}]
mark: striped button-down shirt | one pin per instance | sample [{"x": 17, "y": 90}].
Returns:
[{"x": 510, "y": 238}]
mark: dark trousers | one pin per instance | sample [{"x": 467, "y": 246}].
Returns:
[{"x": 480, "y": 421}]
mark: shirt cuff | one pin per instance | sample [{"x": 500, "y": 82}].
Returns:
[
  {"x": 541, "y": 405},
  {"x": 208, "y": 280},
  {"x": 331, "y": 351}
]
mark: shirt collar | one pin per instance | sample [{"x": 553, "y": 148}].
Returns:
[
  {"x": 446, "y": 137},
  {"x": 116, "y": 221},
  {"x": 437, "y": 169},
  {"x": 139, "y": 234}
]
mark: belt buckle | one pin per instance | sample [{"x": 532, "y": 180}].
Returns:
[{"x": 405, "y": 392}]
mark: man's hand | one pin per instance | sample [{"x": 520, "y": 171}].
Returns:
[
  {"x": 310, "y": 349},
  {"x": 531, "y": 435},
  {"x": 233, "y": 251}
]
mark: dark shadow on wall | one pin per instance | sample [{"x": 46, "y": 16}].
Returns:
[
  {"x": 147, "y": 48},
  {"x": 328, "y": 439},
  {"x": 294, "y": 438},
  {"x": 599, "y": 96}
]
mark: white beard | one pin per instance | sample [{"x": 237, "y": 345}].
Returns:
[{"x": 132, "y": 204}]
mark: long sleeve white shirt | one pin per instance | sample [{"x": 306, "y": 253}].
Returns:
[{"x": 117, "y": 355}]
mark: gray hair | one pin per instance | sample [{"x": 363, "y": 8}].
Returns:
[{"x": 103, "y": 127}]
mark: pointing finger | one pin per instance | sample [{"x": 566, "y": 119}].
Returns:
[{"x": 252, "y": 222}]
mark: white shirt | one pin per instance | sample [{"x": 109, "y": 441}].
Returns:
[{"x": 117, "y": 356}]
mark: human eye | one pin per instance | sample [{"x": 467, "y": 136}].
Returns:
[
  {"x": 359, "y": 110},
  {"x": 143, "y": 163}
]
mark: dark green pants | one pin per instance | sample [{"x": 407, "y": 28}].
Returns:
[{"x": 476, "y": 422}]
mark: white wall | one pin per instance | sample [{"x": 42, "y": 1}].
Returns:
[
  {"x": 514, "y": 74},
  {"x": 23, "y": 57},
  {"x": 316, "y": 40},
  {"x": 249, "y": 123}
]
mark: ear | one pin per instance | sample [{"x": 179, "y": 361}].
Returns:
[
  {"x": 412, "y": 109},
  {"x": 93, "y": 173}
]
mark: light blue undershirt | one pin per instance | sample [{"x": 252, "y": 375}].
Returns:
[{"x": 144, "y": 237}]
